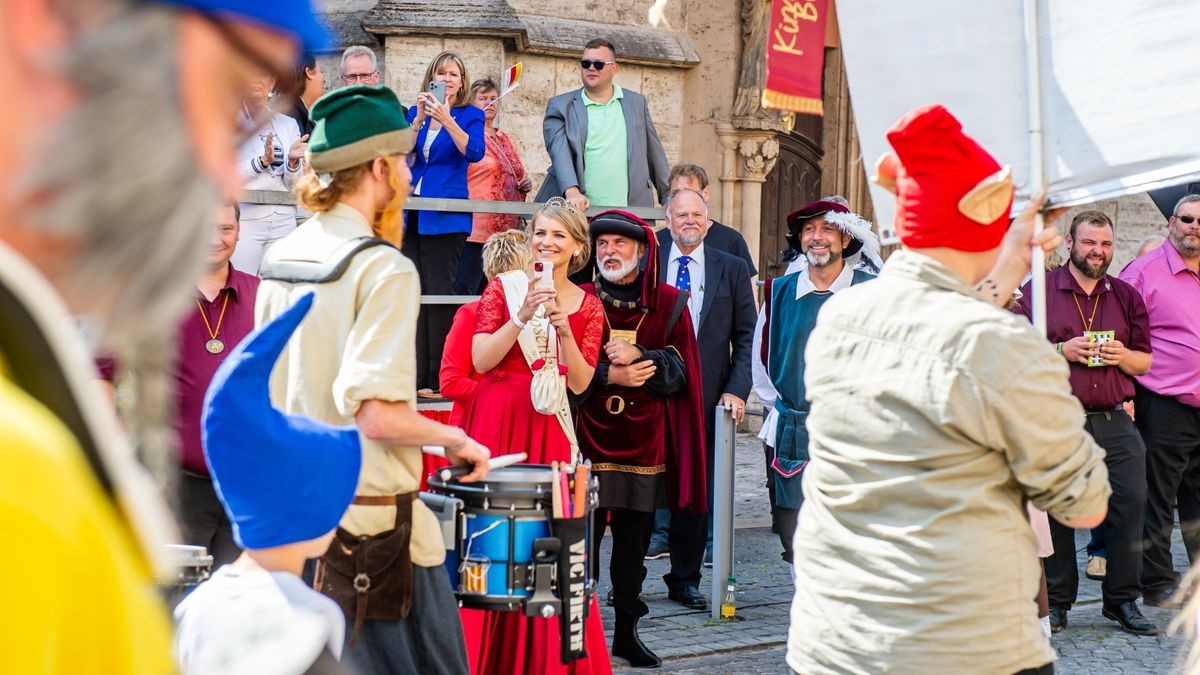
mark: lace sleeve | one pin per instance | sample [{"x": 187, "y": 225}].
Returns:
[
  {"x": 592, "y": 312},
  {"x": 493, "y": 308}
]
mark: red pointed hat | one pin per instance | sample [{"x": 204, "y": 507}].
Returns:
[{"x": 949, "y": 190}]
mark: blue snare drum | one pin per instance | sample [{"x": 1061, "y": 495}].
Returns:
[{"x": 502, "y": 552}]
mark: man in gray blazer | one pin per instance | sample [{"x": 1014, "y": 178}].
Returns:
[{"x": 602, "y": 144}]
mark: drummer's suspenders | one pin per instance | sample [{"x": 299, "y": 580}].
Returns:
[{"x": 310, "y": 271}]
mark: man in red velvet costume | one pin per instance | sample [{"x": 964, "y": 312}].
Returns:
[{"x": 641, "y": 423}]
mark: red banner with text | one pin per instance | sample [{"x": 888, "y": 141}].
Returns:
[{"x": 795, "y": 56}]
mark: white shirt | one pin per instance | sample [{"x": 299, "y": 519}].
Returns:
[
  {"x": 430, "y": 137},
  {"x": 762, "y": 386},
  {"x": 696, "y": 268},
  {"x": 278, "y": 176},
  {"x": 255, "y": 622}
]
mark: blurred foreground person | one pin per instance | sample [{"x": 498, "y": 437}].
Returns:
[
  {"x": 351, "y": 362},
  {"x": 935, "y": 415},
  {"x": 118, "y": 122},
  {"x": 284, "y": 483}
]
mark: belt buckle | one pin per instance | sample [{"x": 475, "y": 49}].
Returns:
[{"x": 615, "y": 405}]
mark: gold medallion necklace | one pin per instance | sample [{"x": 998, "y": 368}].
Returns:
[
  {"x": 214, "y": 346},
  {"x": 1087, "y": 323}
]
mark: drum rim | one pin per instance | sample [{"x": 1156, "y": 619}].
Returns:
[{"x": 529, "y": 489}]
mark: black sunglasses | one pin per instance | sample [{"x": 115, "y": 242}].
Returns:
[
  {"x": 587, "y": 64},
  {"x": 1187, "y": 220}
]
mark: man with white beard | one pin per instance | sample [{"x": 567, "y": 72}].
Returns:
[
  {"x": 826, "y": 233},
  {"x": 118, "y": 137},
  {"x": 641, "y": 424}
]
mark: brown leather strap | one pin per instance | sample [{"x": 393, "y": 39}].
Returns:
[
  {"x": 362, "y": 584},
  {"x": 383, "y": 500}
]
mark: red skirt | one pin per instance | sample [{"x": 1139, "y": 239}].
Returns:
[
  {"x": 503, "y": 643},
  {"x": 506, "y": 643}
]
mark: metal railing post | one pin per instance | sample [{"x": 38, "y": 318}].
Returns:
[{"x": 722, "y": 512}]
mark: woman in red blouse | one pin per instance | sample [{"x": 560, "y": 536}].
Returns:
[
  {"x": 499, "y": 176},
  {"x": 503, "y": 418}
]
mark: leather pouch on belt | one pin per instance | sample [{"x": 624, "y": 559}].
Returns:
[{"x": 371, "y": 577}]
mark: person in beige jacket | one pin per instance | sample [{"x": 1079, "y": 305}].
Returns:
[
  {"x": 351, "y": 363},
  {"x": 936, "y": 415}
]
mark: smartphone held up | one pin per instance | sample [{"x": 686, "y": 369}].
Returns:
[
  {"x": 544, "y": 271},
  {"x": 438, "y": 91}
]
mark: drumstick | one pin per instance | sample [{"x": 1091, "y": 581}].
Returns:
[
  {"x": 565, "y": 491},
  {"x": 555, "y": 497},
  {"x": 435, "y": 450},
  {"x": 493, "y": 463},
  {"x": 580, "y": 489},
  {"x": 507, "y": 460}
]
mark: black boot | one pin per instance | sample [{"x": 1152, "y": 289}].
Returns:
[{"x": 626, "y": 643}]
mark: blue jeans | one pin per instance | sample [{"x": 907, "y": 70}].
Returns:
[
  {"x": 1098, "y": 544},
  {"x": 662, "y": 524}
]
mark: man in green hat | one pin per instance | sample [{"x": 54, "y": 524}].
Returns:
[{"x": 352, "y": 361}]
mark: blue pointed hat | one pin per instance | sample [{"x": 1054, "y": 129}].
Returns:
[
  {"x": 290, "y": 16},
  {"x": 282, "y": 478}
]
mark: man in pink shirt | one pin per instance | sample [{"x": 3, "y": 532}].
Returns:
[{"x": 1167, "y": 399}]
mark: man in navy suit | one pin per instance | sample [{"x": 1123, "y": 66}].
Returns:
[
  {"x": 721, "y": 303},
  {"x": 723, "y": 237},
  {"x": 602, "y": 144}
]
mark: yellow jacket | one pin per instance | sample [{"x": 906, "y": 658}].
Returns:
[{"x": 77, "y": 594}]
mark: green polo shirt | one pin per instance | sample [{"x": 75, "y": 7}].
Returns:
[{"x": 606, "y": 152}]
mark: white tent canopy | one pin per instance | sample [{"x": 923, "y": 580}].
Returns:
[{"x": 1120, "y": 113}]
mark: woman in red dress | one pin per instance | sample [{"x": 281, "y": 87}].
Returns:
[
  {"x": 502, "y": 252},
  {"x": 503, "y": 418}
]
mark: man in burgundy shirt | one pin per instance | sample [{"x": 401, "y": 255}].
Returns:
[
  {"x": 1081, "y": 298},
  {"x": 1167, "y": 403},
  {"x": 221, "y": 314}
]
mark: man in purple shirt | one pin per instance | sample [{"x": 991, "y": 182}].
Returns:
[
  {"x": 1167, "y": 404},
  {"x": 1082, "y": 300},
  {"x": 221, "y": 314}
]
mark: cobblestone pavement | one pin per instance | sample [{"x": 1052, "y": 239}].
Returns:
[{"x": 691, "y": 642}]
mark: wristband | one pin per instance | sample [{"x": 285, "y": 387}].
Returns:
[
  {"x": 1060, "y": 349},
  {"x": 516, "y": 319}
]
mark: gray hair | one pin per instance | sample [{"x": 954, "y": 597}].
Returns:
[
  {"x": 359, "y": 50},
  {"x": 1186, "y": 199},
  {"x": 121, "y": 180},
  {"x": 676, "y": 193},
  {"x": 1149, "y": 244},
  {"x": 836, "y": 199}
]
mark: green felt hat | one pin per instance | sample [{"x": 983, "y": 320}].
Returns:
[{"x": 356, "y": 124}]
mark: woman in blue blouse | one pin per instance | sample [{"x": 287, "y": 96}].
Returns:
[{"x": 449, "y": 137}]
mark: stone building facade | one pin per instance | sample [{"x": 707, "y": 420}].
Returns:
[{"x": 700, "y": 65}]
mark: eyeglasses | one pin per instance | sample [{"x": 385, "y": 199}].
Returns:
[
  {"x": 588, "y": 64},
  {"x": 1187, "y": 220},
  {"x": 351, "y": 78}
]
